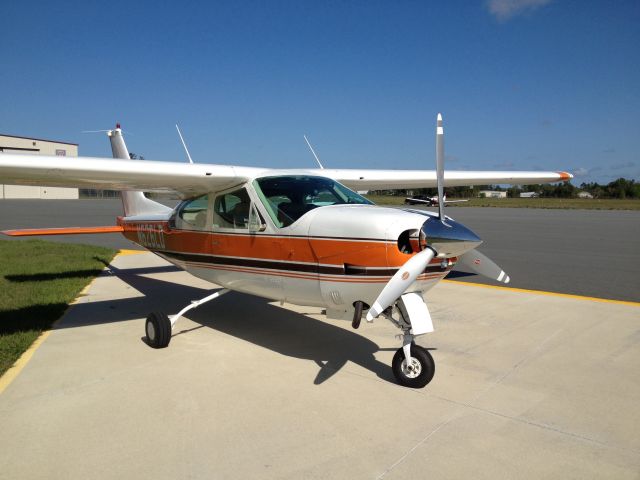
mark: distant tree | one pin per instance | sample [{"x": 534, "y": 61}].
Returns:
[
  {"x": 622, "y": 188},
  {"x": 513, "y": 191}
]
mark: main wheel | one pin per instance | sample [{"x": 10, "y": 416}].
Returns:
[
  {"x": 419, "y": 372},
  {"x": 158, "y": 329}
]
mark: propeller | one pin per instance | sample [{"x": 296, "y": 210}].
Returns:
[
  {"x": 400, "y": 282},
  {"x": 442, "y": 238},
  {"x": 483, "y": 265}
]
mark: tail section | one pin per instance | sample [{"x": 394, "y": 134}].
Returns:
[{"x": 134, "y": 202}]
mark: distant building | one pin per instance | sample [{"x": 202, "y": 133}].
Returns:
[
  {"x": 35, "y": 146},
  {"x": 492, "y": 194},
  {"x": 529, "y": 195},
  {"x": 584, "y": 195}
]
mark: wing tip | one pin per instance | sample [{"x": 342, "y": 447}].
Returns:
[{"x": 565, "y": 176}]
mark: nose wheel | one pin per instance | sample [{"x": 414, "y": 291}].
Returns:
[{"x": 416, "y": 373}]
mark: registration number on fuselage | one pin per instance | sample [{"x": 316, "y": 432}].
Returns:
[{"x": 150, "y": 235}]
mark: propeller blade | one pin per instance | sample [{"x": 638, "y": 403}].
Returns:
[
  {"x": 440, "y": 166},
  {"x": 400, "y": 282},
  {"x": 483, "y": 265}
]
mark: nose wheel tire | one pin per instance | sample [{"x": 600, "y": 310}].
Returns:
[
  {"x": 158, "y": 330},
  {"x": 418, "y": 372}
]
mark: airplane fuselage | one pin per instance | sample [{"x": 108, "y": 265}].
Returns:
[{"x": 330, "y": 257}]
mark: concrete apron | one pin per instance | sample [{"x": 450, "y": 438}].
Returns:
[{"x": 526, "y": 386}]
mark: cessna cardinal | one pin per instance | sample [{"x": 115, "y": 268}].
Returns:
[{"x": 298, "y": 236}]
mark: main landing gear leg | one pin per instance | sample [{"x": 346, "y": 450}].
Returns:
[{"x": 158, "y": 326}]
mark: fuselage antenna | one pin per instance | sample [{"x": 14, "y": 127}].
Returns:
[
  {"x": 313, "y": 152},
  {"x": 184, "y": 144}
]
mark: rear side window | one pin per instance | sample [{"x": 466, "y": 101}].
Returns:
[
  {"x": 192, "y": 214},
  {"x": 231, "y": 210}
]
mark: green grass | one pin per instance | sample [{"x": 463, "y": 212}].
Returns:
[
  {"x": 567, "y": 203},
  {"x": 38, "y": 280}
]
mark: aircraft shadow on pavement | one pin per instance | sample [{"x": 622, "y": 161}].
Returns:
[
  {"x": 43, "y": 277},
  {"x": 459, "y": 274},
  {"x": 249, "y": 318}
]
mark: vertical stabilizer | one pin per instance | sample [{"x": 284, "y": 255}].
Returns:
[{"x": 134, "y": 202}]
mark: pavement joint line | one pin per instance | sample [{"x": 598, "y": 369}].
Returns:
[
  {"x": 451, "y": 418},
  {"x": 534, "y": 423},
  {"x": 457, "y": 414},
  {"x": 544, "y": 292},
  {"x": 470, "y": 405},
  {"x": 533, "y": 354},
  {"x": 10, "y": 375}
]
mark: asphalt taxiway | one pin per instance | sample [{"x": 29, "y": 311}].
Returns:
[{"x": 526, "y": 386}]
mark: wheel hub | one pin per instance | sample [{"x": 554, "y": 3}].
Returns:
[
  {"x": 413, "y": 369},
  {"x": 151, "y": 331}
]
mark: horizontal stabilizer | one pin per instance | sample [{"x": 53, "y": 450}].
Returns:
[{"x": 28, "y": 232}]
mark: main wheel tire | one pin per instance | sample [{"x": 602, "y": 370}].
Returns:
[
  {"x": 421, "y": 370},
  {"x": 158, "y": 330}
]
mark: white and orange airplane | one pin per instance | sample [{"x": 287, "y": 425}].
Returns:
[{"x": 298, "y": 236}]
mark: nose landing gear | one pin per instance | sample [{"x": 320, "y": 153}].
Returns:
[
  {"x": 418, "y": 371},
  {"x": 412, "y": 365}
]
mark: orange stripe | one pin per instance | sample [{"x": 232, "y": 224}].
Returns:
[
  {"x": 62, "y": 231},
  {"x": 315, "y": 277},
  {"x": 279, "y": 248}
]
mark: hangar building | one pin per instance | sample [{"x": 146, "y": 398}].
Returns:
[{"x": 36, "y": 146}]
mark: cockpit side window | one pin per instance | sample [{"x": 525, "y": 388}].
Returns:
[
  {"x": 231, "y": 210},
  {"x": 192, "y": 214},
  {"x": 287, "y": 198}
]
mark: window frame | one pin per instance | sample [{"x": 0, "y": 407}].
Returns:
[{"x": 272, "y": 210}]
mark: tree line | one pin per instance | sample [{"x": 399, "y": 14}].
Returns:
[{"x": 620, "y": 188}]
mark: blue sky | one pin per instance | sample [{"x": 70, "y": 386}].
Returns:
[{"x": 522, "y": 84}]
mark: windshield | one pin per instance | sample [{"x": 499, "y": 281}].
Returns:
[{"x": 288, "y": 198}]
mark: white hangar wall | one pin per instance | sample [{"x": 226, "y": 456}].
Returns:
[{"x": 35, "y": 146}]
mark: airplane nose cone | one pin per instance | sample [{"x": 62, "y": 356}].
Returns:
[{"x": 449, "y": 238}]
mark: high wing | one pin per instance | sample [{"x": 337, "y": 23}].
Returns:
[
  {"x": 390, "y": 179},
  {"x": 113, "y": 174},
  {"x": 193, "y": 179}
]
